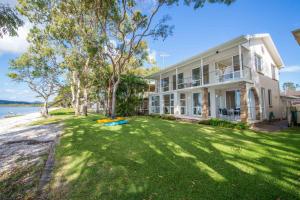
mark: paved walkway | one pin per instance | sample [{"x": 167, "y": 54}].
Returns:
[{"x": 270, "y": 126}]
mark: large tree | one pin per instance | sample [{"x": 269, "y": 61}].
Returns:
[{"x": 38, "y": 67}]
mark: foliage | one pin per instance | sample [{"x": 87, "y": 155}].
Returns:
[
  {"x": 290, "y": 86},
  {"x": 168, "y": 117},
  {"x": 38, "y": 67},
  {"x": 63, "y": 97},
  {"x": 146, "y": 158},
  {"x": 101, "y": 40},
  {"x": 130, "y": 94},
  {"x": 9, "y": 22},
  {"x": 224, "y": 123}
]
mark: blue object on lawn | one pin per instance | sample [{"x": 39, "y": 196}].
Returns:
[{"x": 116, "y": 123}]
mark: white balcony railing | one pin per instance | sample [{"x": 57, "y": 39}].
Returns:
[{"x": 214, "y": 77}]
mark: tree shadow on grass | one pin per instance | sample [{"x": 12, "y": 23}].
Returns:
[{"x": 158, "y": 159}]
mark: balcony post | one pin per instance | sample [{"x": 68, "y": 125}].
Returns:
[
  {"x": 160, "y": 83},
  {"x": 202, "y": 78},
  {"x": 241, "y": 63},
  {"x": 176, "y": 73}
]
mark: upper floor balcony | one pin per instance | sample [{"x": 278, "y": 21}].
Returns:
[
  {"x": 216, "y": 66},
  {"x": 208, "y": 79}
]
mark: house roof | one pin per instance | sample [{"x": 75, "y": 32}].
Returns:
[
  {"x": 296, "y": 34},
  {"x": 238, "y": 40}
]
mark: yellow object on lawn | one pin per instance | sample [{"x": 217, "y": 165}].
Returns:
[{"x": 110, "y": 120}]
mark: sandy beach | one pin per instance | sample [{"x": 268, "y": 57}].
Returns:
[{"x": 22, "y": 145}]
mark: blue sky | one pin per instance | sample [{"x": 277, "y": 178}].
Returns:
[{"x": 195, "y": 31}]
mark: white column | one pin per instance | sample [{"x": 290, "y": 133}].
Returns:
[
  {"x": 176, "y": 107},
  {"x": 149, "y": 103},
  {"x": 160, "y": 88},
  {"x": 241, "y": 63},
  {"x": 161, "y": 104},
  {"x": 176, "y": 78},
  {"x": 202, "y": 72},
  {"x": 213, "y": 105}
]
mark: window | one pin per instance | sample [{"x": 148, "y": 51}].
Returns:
[
  {"x": 182, "y": 104},
  {"x": 168, "y": 104},
  {"x": 270, "y": 98},
  {"x": 273, "y": 72},
  {"x": 165, "y": 84},
  {"x": 258, "y": 63},
  {"x": 155, "y": 104},
  {"x": 196, "y": 76},
  {"x": 197, "y": 109},
  {"x": 174, "y": 82},
  {"x": 236, "y": 63},
  {"x": 180, "y": 81}
]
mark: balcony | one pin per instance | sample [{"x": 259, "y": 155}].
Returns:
[{"x": 211, "y": 78}]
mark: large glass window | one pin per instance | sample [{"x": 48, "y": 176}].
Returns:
[
  {"x": 168, "y": 104},
  {"x": 180, "y": 80},
  {"x": 182, "y": 103},
  {"x": 233, "y": 99},
  {"x": 165, "y": 84},
  {"x": 270, "y": 98},
  {"x": 273, "y": 72},
  {"x": 155, "y": 104},
  {"x": 197, "y": 104},
  {"x": 196, "y": 76}
]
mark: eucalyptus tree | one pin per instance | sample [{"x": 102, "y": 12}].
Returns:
[
  {"x": 39, "y": 68},
  {"x": 126, "y": 28}
]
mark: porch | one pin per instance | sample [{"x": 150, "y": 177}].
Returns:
[{"x": 232, "y": 101}]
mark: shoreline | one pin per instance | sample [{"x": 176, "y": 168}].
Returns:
[{"x": 11, "y": 122}]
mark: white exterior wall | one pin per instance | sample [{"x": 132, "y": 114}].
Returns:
[
  {"x": 264, "y": 79},
  {"x": 259, "y": 80}
]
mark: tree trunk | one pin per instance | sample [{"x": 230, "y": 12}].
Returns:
[
  {"x": 45, "y": 112},
  {"x": 114, "y": 101},
  {"x": 73, "y": 82},
  {"x": 77, "y": 96},
  {"x": 109, "y": 97},
  {"x": 98, "y": 104},
  {"x": 85, "y": 87},
  {"x": 85, "y": 101}
]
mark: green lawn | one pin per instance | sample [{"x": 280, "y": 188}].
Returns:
[{"x": 152, "y": 158}]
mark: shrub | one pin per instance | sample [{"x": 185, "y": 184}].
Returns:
[
  {"x": 155, "y": 115},
  {"x": 204, "y": 122},
  {"x": 224, "y": 123},
  {"x": 168, "y": 117}
]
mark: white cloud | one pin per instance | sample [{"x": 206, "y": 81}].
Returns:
[
  {"x": 294, "y": 68},
  {"x": 17, "y": 44},
  {"x": 9, "y": 90}
]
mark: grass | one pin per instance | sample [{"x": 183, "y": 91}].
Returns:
[{"x": 151, "y": 158}]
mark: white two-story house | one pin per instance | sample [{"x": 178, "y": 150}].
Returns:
[{"x": 237, "y": 80}]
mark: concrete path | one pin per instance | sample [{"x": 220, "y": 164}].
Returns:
[{"x": 270, "y": 126}]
